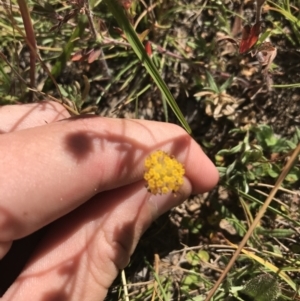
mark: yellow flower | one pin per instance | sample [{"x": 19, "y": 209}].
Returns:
[{"x": 163, "y": 173}]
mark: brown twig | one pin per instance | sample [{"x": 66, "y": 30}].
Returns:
[
  {"x": 259, "y": 4},
  {"x": 30, "y": 38},
  {"x": 96, "y": 37}
]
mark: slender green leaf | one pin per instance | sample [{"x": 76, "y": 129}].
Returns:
[
  {"x": 211, "y": 82},
  {"x": 139, "y": 49}
]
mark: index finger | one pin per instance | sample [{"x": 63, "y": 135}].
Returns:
[{"x": 47, "y": 171}]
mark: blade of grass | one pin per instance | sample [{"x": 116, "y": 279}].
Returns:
[
  {"x": 139, "y": 49},
  {"x": 297, "y": 85},
  {"x": 158, "y": 283},
  {"x": 116, "y": 78}
]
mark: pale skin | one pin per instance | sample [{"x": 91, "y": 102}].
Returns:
[{"x": 85, "y": 177}]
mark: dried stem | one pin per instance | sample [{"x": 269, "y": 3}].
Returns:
[
  {"x": 259, "y": 4},
  {"x": 96, "y": 37}
]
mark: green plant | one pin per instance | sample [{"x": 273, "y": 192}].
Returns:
[
  {"x": 218, "y": 102},
  {"x": 256, "y": 159},
  {"x": 262, "y": 288}
]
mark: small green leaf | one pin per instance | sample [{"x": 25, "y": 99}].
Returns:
[
  {"x": 231, "y": 151},
  {"x": 262, "y": 288},
  {"x": 203, "y": 255},
  {"x": 292, "y": 178},
  {"x": 279, "y": 233},
  {"x": 192, "y": 258},
  {"x": 191, "y": 280},
  {"x": 227, "y": 83},
  {"x": 272, "y": 173},
  {"x": 211, "y": 82},
  {"x": 250, "y": 175},
  {"x": 251, "y": 155}
]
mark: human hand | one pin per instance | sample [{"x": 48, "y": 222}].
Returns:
[{"x": 85, "y": 176}]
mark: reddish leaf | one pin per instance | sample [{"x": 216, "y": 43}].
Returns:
[
  {"x": 148, "y": 48},
  {"x": 94, "y": 55},
  {"x": 250, "y": 36},
  {"x": 77, "y": 56}
]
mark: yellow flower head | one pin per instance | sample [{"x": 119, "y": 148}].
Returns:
[{"x": 163, "y": 173}]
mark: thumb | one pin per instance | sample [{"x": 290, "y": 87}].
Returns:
[{"x": 84, "y": 251}]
